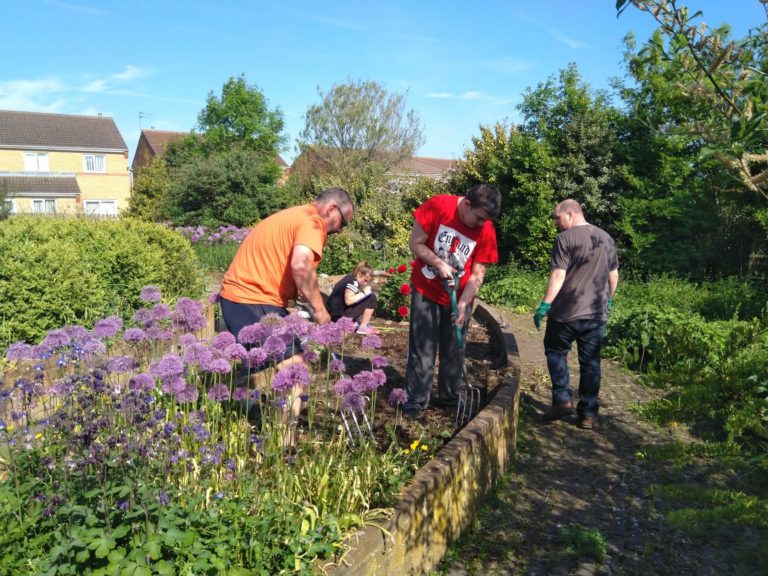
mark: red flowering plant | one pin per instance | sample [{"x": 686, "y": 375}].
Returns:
[{"x": 394, "y": 296}]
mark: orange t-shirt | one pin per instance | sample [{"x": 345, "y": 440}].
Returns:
[{"x": 260, "y": 272}]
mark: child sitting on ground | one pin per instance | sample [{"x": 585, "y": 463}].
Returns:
[{"x": 352, "y": 297}]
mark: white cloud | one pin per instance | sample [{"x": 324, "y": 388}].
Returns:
[
  {"x": 43, "y": 95},
  {"x": 129, "y": 73},
  {"x": 77, "y": 7},
  {"x": 570, "y": 42}
]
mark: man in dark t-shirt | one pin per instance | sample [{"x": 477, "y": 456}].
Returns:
[{"x": 584, "y": 275}]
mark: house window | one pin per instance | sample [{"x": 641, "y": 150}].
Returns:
[
  {"x": 44, "y": 206},
  {"x": 101, "y": 208},
  {"x": 9, "y": 206},
  {"x": 94, "y": 163},
  {"x": 34, "y": 162}
]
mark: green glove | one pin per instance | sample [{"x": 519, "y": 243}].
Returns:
[
  {"x": 541, "y": 311},
  {"x": 610, "y": 305}
]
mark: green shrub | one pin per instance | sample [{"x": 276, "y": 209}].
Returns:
[
  {"x": 394, "y": 296},
  {"x": 56, "y": 271},
  {"x": 513, "y": 287}
]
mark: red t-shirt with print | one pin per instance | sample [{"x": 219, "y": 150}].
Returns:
[{"x": 454, "y": 242}]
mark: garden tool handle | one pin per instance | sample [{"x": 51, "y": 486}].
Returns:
[{"x": 455, "y": 308}]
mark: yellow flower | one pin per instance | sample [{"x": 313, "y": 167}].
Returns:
[
  {"x": 38, "y": 435},
  {"x": 406, "y": 451},
  {"x": 10, "y": 428},
  {"x": 425, "y": 448},
  {"x": 415, "y": 444}
]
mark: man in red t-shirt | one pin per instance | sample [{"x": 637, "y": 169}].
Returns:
[{"x": 451, "y": 234}]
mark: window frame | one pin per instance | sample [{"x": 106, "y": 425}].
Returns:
[
  {"x": 37, "y": 157},
  {"x": 96, "y": 159},
  {"x": 100, "y": 203},
  {"x": 46, "y": 202}
]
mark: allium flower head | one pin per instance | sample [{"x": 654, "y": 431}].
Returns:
[
  {"x": 346, "y": 325},
  {"x": 169, "y": 365},
  {"x": 257, "y": 357},
  {"x": 186, "y": 340},
  {"x": 235, "y": 352},
  {"x": 254, "y": 333},
  {"x": 379, "y": 362},
  {"x": 150, "y": 294},
  {"x": 197, "y": 354},
  {"x": 107, "y": 327},
  {"x": 371, "y": 342},
  {"x": 343, "y": 386},
  {"x": 188, "y": 314},
  {"x": 337, "y": 365},
  {"x": 354, "y": 402},
  {"x": 217, "y": 366},
  {"x": 398, "y": 397},
  {"x": 142, "y": 381},
  {"x": 160, "y": 311},
  {"x": 143, "y": 317},
  {"x": 189, "y": 394},
  {"x": 121, "y": 364},
  {"x": 213, "y": 297},
  {"x": 222, "y": 340},
  {"x": 290, "y": 376},
  {"x": 134, "y": 335},
  {"x": 56, "y": 339},
  {"x": 274, "y": 346},
  {"x": 174, "y": 385},
  {"x": 219, "y": 393},
  {"x": 20, "y": 351}
]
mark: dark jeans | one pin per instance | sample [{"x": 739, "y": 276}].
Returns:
[
  {"x": 237, "y": 316},
  {"x": 589, "y": 336},
  {"x": 429, "y": 331},
  {"x": 356, "y": 310}
]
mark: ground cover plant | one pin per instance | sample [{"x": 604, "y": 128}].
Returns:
[{"x": 144, "y": 453}]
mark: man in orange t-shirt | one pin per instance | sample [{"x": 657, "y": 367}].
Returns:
[{"x": 277, "y": 262}]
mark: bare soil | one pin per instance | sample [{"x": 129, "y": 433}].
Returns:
[{"x": 598, "y": 480}]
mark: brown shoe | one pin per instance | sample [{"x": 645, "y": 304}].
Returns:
[
  {"x": 558, "y": 411},
  {"x": 586, "y": 423}
]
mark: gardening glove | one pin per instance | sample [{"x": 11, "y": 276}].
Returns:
[
  {"x": 610, "y": 305},
  {"x": 541, "y": 311}
]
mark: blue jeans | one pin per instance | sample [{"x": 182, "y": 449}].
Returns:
[{"x": 589, "y": 336}]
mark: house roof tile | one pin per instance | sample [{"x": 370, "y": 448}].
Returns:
[
  {"x": 52, "y": 131},
  {"x": 27, "y": 185}
]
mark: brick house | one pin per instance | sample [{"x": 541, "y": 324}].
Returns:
[
  {"x": 153, "y": 143},
  {"x": 63, "y": 164}
]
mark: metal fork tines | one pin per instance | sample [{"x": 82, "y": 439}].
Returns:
[
  {"x": 469, "y": 404},
  {"x": 352, "y": 425}
]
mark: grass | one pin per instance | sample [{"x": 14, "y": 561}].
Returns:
[{"x": 580, "y": 542}]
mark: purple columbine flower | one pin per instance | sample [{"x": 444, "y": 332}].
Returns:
[
  {"x": 107, "y": 327},
  {"x": 398, "y": 397},
  {"x": 222, "y": 340},
  {"x": 379, "y": 362},
  {"x": 150, "y": 294},
  {"x": 219, "y": 393},
  {"x": 134, "y": 335},
  {"x": 290, "y": 376}
]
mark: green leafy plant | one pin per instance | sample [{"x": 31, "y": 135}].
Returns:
[
  {"x": 582, "y": 542},
  {"x": 394, "y": 296}
]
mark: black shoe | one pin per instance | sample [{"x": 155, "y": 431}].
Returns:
[{"x": 412, "y": 413}]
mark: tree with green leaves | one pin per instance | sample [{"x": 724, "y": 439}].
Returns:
[
  {"x": 355, "y": 124},
  {"x": 242, "y": 116}
]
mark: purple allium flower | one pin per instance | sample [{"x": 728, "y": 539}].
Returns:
[
  {"x": 240, "y": 394},
  {"x": 272, "y": 322},
  {"x": 160, "y": 311},
  {"x": 107, "y": 327},
  {"x": 398, "y": 397},
  {"x": 217, "y": 366},
  {"x": 235, "y": 352},
  {"x": 142, "y": 381},
  {"x": 143, "y": 317},
  {"x": 326, "y": 335},
  {"x": 296, "y": 327},
  {"x": 219, "y": 393},
  {"x": 343, "y": 386},
  {"x": 121, "y": 364},
  {"x": 365, "y": 381},
  {"x": 159, "y": 333},
  {"x": 186, "y": 340},
  {"x": 189, "y": 394},
  {"x": 346, "y": 325},
  {"x": 379, "y": 362},
  {"x": 222, "y": 340},
  {"x": 371, "y": 342},
  {"x": 274, "y": 346},
  {"x": 253, "y": 333},
  {"x": 20, "y": 351},
  {"x": 94, "y": 347},
  {"x": 169, "y": 365},
  {"x": 150, "y": 294},
  {"x": 257, "y": 357},
  {"x": 197, "y": 353},
  {"x": 379, "y": 377},
  {"x": 290, "y": 376},
  {"x": 56, "y": 339},
  {"x": 76, "y": 332},
  {"x": 354, "y": 402},
  {"x": 174, "y": 385},
  {"x": 337, "y": 365},
  {"x": 213, "y": 297},
  {"x": 188, "y": 314},
  {"x": 134, "y": 335}
]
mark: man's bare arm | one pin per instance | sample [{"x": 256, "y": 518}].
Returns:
[{"x": 303, "y": 268}]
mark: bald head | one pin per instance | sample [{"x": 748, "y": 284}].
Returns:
[{"x": 567, "y": 214}]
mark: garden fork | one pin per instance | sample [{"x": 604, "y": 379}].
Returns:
[
  {"x": 357, "y": 427},
  {"x": 469, "y": 395}
]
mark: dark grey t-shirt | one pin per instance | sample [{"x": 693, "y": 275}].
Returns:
[{"x": 587, "y": 254}]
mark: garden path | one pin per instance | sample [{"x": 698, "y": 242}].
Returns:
[{"x": 564, "y": 476}]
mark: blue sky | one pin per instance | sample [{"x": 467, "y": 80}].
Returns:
[{"x": 462, "y": 63}]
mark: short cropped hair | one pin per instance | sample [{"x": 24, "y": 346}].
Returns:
[
  {"x": 337, "y": 195},
  {"x": 485, "y": 196},
  {"x": 569, "y": 205}
]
